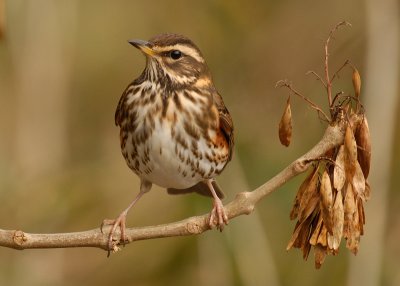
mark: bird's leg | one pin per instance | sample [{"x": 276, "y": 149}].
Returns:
[
  {"x": 145, "y": 186},
  {"x": 218, "y": 216}
]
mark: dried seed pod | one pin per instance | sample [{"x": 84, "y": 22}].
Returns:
[
  {"x": 310, "y": 198},
  {"x": 356, "y": 82},
  {"x": 367, "y": 192},
  {"x": 322, "y": 238},
  {"x": 359, "y": 183},
  {"x": 306, "y": 247},
  {"x": 300, "y": 237},
  {"x": 361, "y": 215},
  {"x": 364, "y": 143},
  {"x": 338, "y": 221},
  {"x": 316, "y": 232},
  {"x": 350, "y": 154},
  {"x": 293, "y": 242},
  {"x": 296, "y": 205},
  {"x": 354, "y": 238},
  {"x": 326, "y": 202},
  {"x": 319, "y": 255},
  {"x": 339, "y": 177},
  {"x": 349, "y": 210},
  {"x": 285, "y": 125}
]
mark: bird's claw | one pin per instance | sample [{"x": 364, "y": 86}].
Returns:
[
  {"x": 118, "y": 222},
  {"x": 218, "y": 216}
]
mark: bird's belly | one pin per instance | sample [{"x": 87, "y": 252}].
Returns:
[{"x": 174, "y": 163}]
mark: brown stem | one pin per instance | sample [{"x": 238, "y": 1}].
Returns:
[
  {"x": 337, "y": 72},
  {"x": 328, "y": 81}
]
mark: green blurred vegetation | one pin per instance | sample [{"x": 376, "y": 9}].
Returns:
[{"x": 63, "y": 67}]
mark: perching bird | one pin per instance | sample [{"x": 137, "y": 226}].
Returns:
[{"x": 175, "y": 130}]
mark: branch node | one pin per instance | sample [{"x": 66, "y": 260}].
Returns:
[
  {"x": 300, "y": 166},
  {"x": 194, "y": 227},
  {"x": 19, "y": 237},
  {"x": 244, "y": 197}
]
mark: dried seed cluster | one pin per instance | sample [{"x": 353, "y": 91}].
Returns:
[{"x": 329, "y": 203}]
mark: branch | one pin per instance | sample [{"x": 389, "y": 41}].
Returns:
[{"x": 243, "y": 203}]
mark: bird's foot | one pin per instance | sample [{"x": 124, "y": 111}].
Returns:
[
  {"x": 118, "y": 222},
  {"x": 218, "y": 216}
]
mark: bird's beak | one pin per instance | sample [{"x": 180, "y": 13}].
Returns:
[{"x": 144, "y": 46}]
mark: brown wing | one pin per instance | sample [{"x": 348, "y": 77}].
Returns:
[
  {"x": 225, "y": 122},
  {"x": 119, "y": 112}
]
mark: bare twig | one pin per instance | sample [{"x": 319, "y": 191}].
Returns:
[
  {"x": 317, "y": 76},
  {"x": 336, "y": 74},
  {"x": 243, "y": 203},
  {"x": 327, "y": 79},
  {"x": 285, "y": 83}
]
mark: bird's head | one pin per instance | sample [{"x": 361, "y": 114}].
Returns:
[{"x": 172, "y": 59}]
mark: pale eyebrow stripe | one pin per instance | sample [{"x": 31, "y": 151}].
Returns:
[{"x": 184, "y": 49}]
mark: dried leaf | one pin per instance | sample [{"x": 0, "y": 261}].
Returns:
[
  {"x": 338, "y": 221},
  {"x": 285, "y": 125},
  {"x": 338, "y": 172},
  {"x": 364, "y": 146},
  {"x": 359, "y": 183},
  {"x": 319, "y": 254},
  {"x": 356, "y": 78},
  {"x": 350, "y": 154},
  {"x": 296, "y": 205},
  {"x": 326, "y": 202}
]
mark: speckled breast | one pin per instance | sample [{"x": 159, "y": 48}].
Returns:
[{"x": 173, "y": 140}]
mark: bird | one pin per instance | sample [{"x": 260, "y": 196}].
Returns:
[{"x": 175, "y": 130}]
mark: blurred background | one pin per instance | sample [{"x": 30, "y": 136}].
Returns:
[{"x": 63, "y": 67}]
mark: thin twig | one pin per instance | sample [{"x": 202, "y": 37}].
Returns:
[
  {"x": 336, "y": 74},
  {"x": 317, "y": 76},
  {"x": 327, "y": 79},
  {"x": 243, "y": 203},
  {"x": 285, "y": 83}
]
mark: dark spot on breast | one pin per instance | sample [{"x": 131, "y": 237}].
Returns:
[
  {"x": 177, "y": 101},
  {"x": 181, "y": 141},
  {"x": 189, "y": 96},
  {"x": 191, "y": 130},
  {"x": 165, "y": 104},
  {"x": 152, "y": 97}
]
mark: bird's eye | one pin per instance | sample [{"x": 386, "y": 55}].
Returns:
[{"x": 175, "y": 54}]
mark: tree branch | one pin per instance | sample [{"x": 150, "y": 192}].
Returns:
[{"x": 243, "y": 203}]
